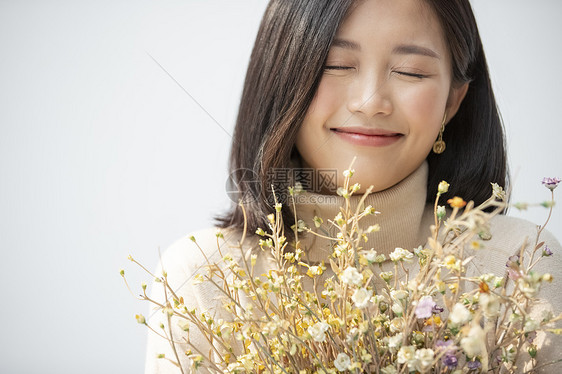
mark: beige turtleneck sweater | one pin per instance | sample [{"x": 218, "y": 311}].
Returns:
[{"x": 404, "y": 219}]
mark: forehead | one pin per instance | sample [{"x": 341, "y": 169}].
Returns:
[{"x": 380, "y": 23}]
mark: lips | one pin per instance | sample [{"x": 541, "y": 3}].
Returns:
[{"x": 364, "y": 136}]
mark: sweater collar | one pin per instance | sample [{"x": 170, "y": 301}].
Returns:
[{"x": 404, "y": 218}]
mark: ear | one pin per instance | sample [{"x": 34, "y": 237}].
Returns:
[{"x": 456, "y": 96}]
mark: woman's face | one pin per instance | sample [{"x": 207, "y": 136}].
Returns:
[{"x": 388, "y": 74}]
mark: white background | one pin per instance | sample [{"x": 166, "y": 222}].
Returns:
[{"x": 103, "y": 155}]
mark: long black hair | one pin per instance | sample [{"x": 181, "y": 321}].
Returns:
[{"x": 285, "y": 69}]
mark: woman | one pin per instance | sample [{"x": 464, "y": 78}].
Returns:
[{"x": 403, "y": 86}]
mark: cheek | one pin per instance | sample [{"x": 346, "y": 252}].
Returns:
[
  {"x": 314, "y": 133},
  {"x": 326, "y": 101},
  {"x": 425, "y": 108}
]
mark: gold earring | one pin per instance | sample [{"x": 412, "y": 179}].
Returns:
[{"x": 439, "y": 145}]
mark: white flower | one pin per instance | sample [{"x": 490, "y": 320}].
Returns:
[
  {"x": 318, "y": 331},
  {"x": 443, "y": 187},
  {"x": 498, "y": 191},
  {"x": 397, "y": 324},
  {"x": 529, "y": 284},
  {"x": 498, "y": 282},
  {"x": 370, "y": 256},
  {"x": 184, "y": 325},
  {"x": 441, "y": 211},
  {"x": 389, "y": 370},
  {"x": 424, "y": 359},
  {"x": 459, "y": 315},
  {"x": 397, "y": 308},
  {"x": 364, "y": 327},
  {"x": 547, "y": 315},
  {"x": 400, "y": 254},
  {"x": 361, "y": 297},
  {"x": 342, "y": 362},
  {"x": 245, "y": 362},
  {"x": 352, "y": 336},
  {"x": 386, "y": 275},
  {"x": 407, "y": 354},
  {"x": 348, "y": 172},
  {"x": 399, "y": 295},
  {"x": 314, "y": 269},
  {"x": 490, "y": 305},
  {"x": 351, "y": 276},
  {"x": 472, "y": 344},
  {"x": 508, "y": 353},
  {"x": 395, "y": 341},
  {"x": 531, "y": 325}
]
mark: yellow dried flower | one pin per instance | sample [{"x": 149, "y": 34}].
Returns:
[
  {"x": 198, "y": 279},
  {"x": 441, "y": 287},
  {"x": 456, "y": 202},
  {"x": 475, "y": 245},
  {"x": 140, "y": 319},
  {"x": 253, "y": 259},
  {"x": 318, "y": 221}
]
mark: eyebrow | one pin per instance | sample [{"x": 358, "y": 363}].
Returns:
[
  {"x": 402, "y": 49},
  {"x": 412, "y": 49},
  {"x": 347, "y": 44}
]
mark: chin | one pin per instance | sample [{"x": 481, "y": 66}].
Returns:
[{"x": 369, "y": 173}]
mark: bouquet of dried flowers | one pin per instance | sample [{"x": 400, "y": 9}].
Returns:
[{"x": 427, "y": 315}]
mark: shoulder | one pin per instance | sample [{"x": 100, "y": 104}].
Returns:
[
  {"x": 508, "y": 236},
  {"x": 193, "y": 250}
]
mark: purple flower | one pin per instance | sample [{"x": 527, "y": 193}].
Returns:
[
  {"x": 437, "y": 309},
  {"x": 473, "y": 365},
  {"x": 445, "y": 345},
  {"x": 450, "y": 360},
  {"x": 513, "y": 261},
  {"x": 441, "y": 344},
  {"x": 546, "y": 251},
  {"x": 531, "y": 336},
  {"x": 551, "y": 183},
  {"x": 513, "y": 267},
  {"x": 424, "y": 309},
  {"x": 513, "y": 274}
]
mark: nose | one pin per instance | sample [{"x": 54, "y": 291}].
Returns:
[{"x": 369, "y": 96}]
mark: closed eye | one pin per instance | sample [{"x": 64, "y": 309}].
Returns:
[
  {"x": 334, "y": 67},
  {"x": 420, "y": 76}
]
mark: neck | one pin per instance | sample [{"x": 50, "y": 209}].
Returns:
[{"x": 404, "y": 219}]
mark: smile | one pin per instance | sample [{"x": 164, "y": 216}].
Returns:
[{"x": 368, "y": 137}]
